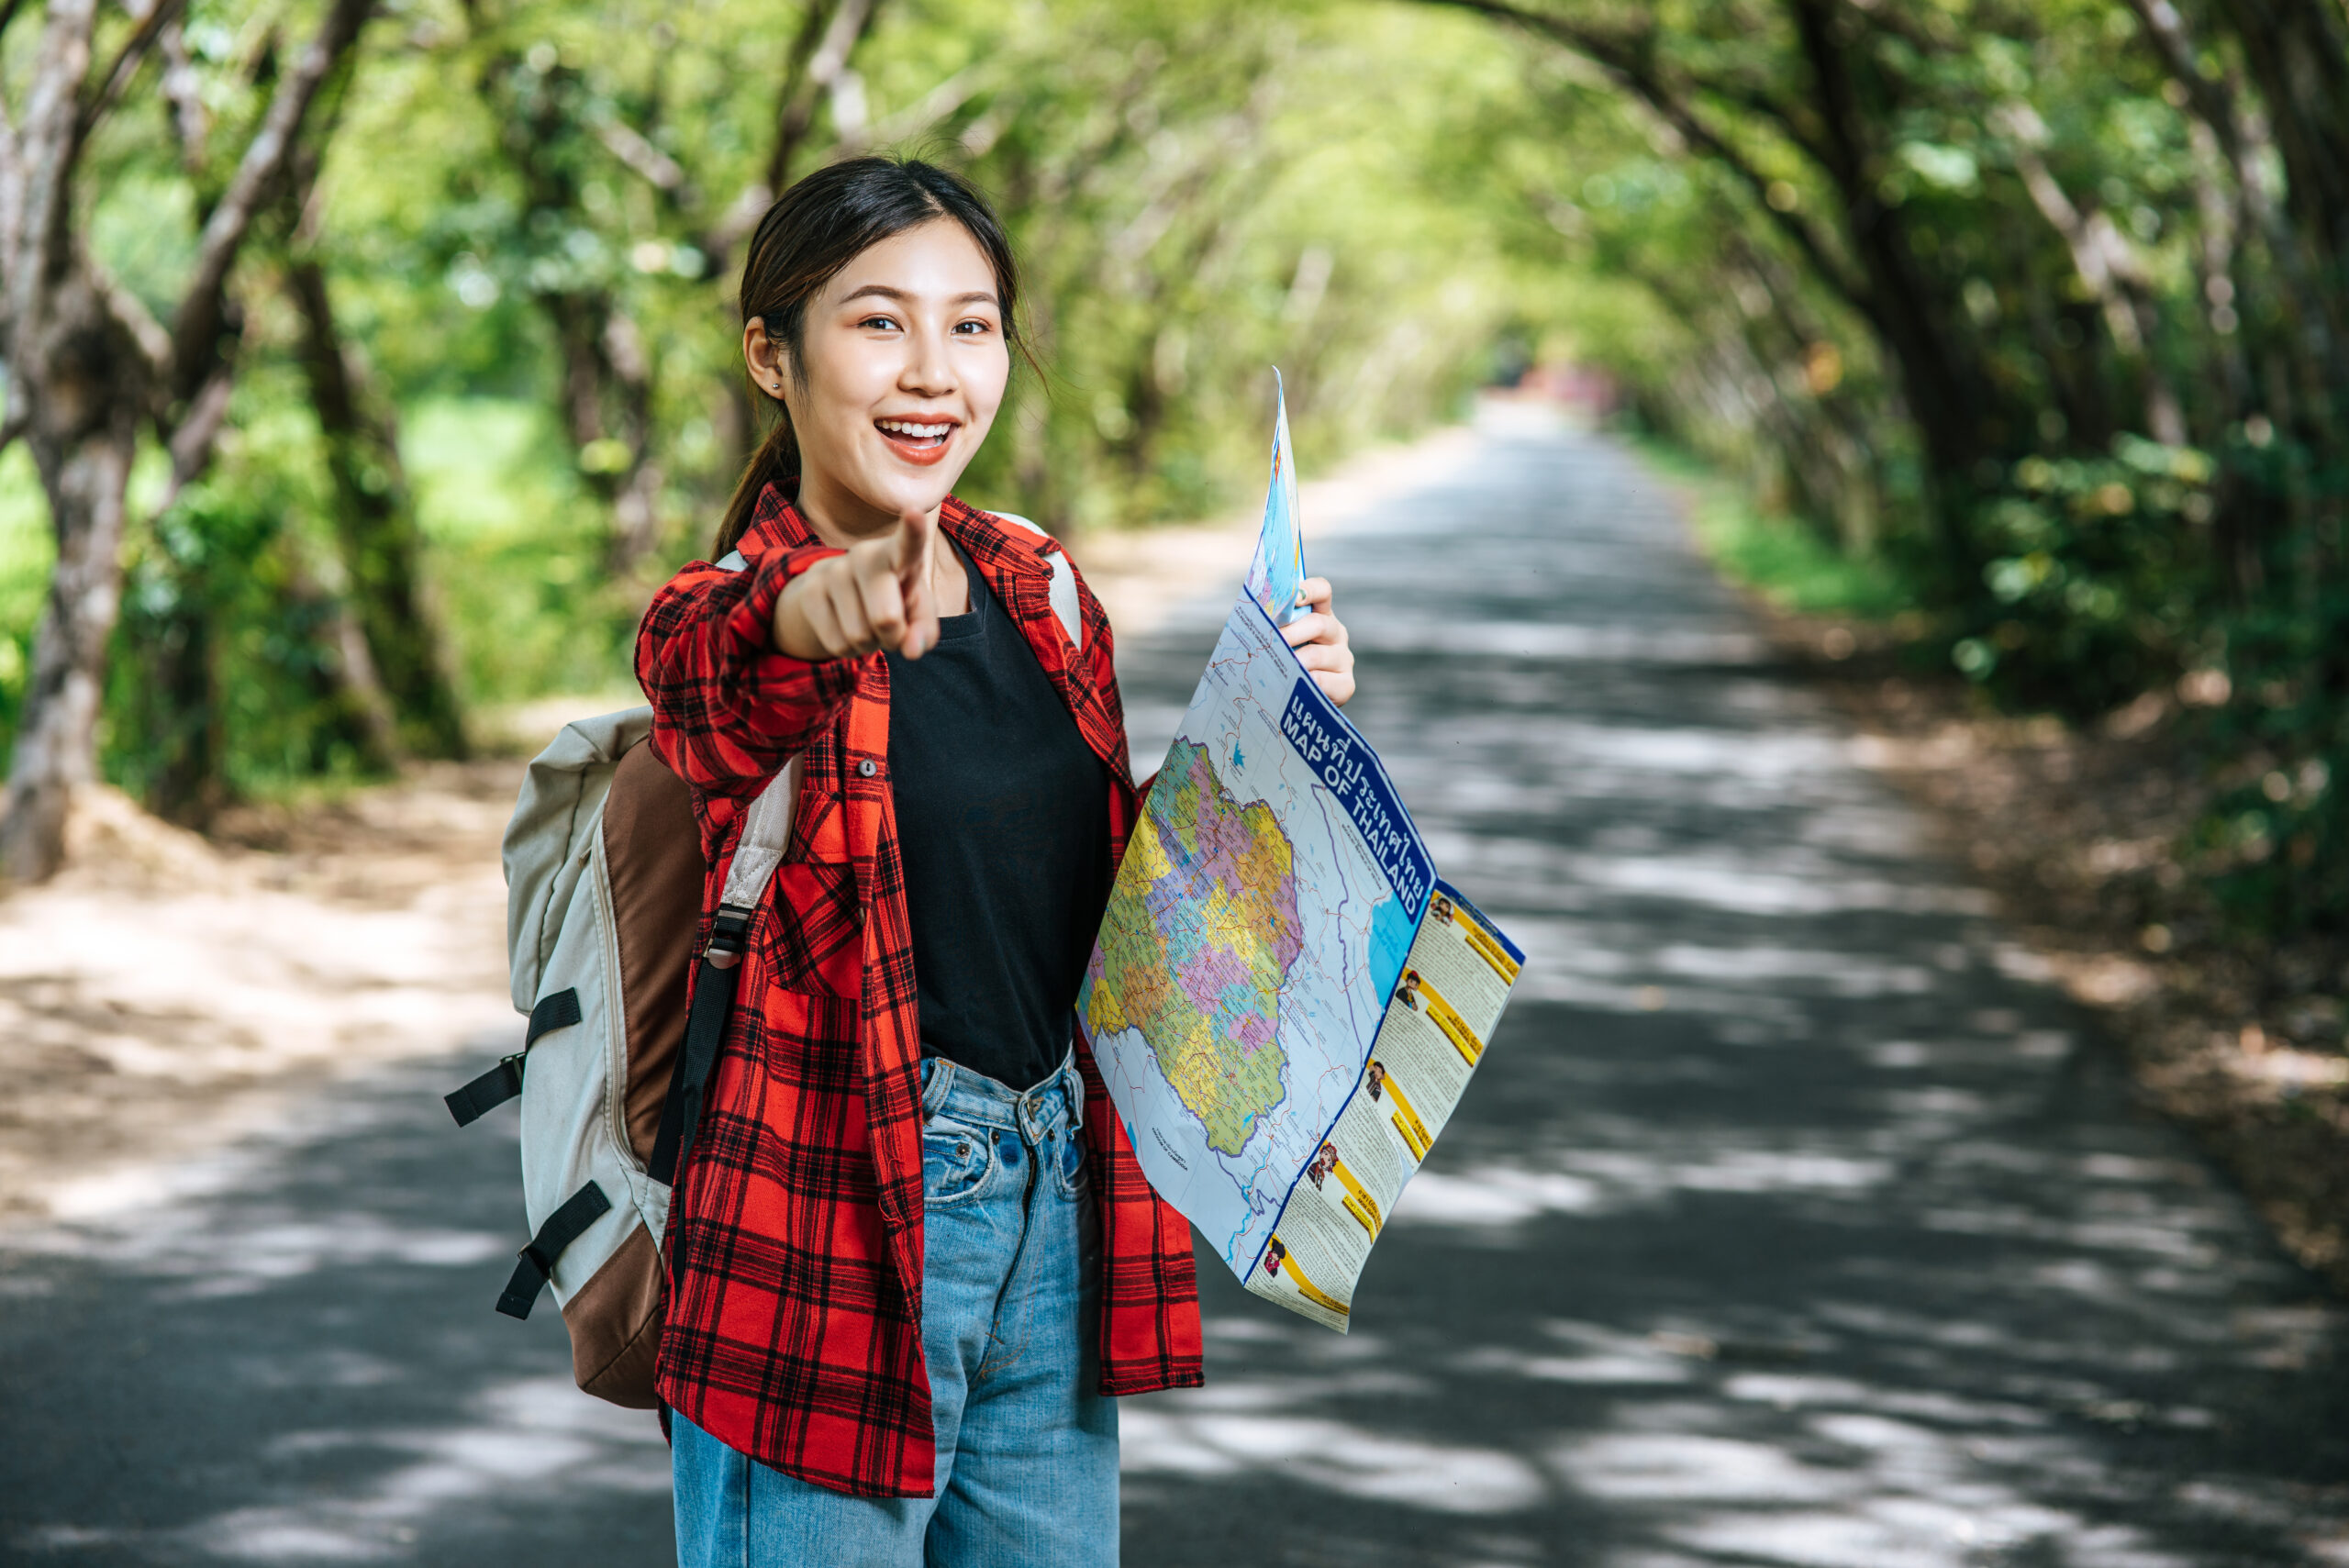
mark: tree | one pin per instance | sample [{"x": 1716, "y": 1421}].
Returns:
[
  {"x": 376, "y": 532},
  {"x": 89, "y": 366}
]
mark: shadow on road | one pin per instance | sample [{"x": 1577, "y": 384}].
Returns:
[{"x": 296, "y": 1362}]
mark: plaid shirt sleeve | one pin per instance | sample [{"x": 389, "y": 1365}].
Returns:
[{"x": 727, "y": 710}]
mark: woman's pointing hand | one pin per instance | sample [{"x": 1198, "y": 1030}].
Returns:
[{"x": 877, "y": 595}]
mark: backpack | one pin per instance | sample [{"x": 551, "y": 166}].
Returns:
[{"x": 604, "y": 876}]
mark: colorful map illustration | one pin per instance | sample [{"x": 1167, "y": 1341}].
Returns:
[
  {"x": 1259, "y": 924},
  {"x": 1196, "y": 952}
]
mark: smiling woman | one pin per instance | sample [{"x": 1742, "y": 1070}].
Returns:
[{"x": 910, "y": 1253}]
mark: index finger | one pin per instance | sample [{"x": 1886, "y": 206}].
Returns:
[
  {"x": 1314, "y": 593},
  {"x": 914, "y": 531}
]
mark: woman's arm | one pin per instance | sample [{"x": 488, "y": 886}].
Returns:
[{"x": 729, "y": 710}]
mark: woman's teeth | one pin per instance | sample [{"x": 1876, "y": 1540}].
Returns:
[{"x": 912, "y": 431}]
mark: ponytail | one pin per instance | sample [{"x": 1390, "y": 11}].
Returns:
[
  {"x": 814, "y": 229},
  {"x": 776, "y": 459}
]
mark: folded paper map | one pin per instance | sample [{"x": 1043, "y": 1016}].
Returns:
[{"x": 1286, "y": 1002}]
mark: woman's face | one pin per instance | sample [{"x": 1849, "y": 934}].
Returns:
[{"x": 903, "y": 366}]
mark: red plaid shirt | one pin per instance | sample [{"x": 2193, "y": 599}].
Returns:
[{"x": 793, "y": 1330}]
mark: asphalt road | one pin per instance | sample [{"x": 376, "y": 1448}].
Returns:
[{"x": 1793, "y": 1218}]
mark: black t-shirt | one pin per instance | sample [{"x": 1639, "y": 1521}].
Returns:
[{"x": 1003, "y": 823}]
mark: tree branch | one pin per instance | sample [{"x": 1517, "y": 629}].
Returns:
[
  {"x": 926, "y": 111},
  {"x": 191, "y": 442},
  {"x": 184, "y": 93},
  {"x": 259, "y": 169},
  {"x": 1630, "y": 68},
  {"x": 850, "y": 20},
  {"x": 819, "y": 55},
  {"x": 625, "y": 142},
  {"x": 126, "y": 64},
  {"x": 136, "y": 321},
  {"x": 39, "y": 197}
]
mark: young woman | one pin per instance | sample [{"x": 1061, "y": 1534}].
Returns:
[{"x": 911, "y": 1254}]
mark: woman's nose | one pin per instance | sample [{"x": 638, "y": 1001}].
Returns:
[{"x": 927, "y": 372}]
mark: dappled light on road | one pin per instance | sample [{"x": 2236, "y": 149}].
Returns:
[{"x": 1794, "y": 1218}]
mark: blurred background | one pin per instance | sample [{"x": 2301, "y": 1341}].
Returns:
[
  {"x": 2022, "y": 329},
  {"x": 369, "y": 364}
]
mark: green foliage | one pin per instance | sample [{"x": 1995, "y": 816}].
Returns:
[
  {"x": 518, "y": 551},
  {"x": 528, "y": 213},
  {"x": 224, "y": 679},
  {"x": 2039, "y": 309},
  {"x": 2027, "y": 318},
  {"x": 2094, "y": 577},
  {"x": 26, "y": 551},
  {"x": 1785, "y": 558}
]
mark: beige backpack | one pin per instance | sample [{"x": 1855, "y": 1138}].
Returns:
[{"x": 604, "y": 876}]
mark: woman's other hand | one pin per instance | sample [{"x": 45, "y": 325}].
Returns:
[
  {"x": 877, "y": 595},
  {"x": 1320, "y": 639}
]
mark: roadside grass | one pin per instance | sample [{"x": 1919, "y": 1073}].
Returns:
[{"x": 1783, "y": 559}]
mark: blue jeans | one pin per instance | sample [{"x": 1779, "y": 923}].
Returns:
[{"x": 1027, "y": 1446}]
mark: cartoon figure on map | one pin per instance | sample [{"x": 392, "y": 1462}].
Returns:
[
  {"x": 1409, "y": 992},
  {"x": 1323, "y": 1163},
  {"x": 1375, "y": 1078},
  {"x": 1275, "y": 1254},
  {"x": 1442, "y": 908}
]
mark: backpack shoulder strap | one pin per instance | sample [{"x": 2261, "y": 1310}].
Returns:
[
  {"x": 1064, "y": 590},
  {"x": 766, "y": 831}
]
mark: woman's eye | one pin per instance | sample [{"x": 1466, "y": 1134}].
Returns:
[
  {"x": 884, "y": 322},
  {"x": 973, "y": 329}
]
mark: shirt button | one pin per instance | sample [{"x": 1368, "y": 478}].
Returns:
[{"x": 867, "y": 768}]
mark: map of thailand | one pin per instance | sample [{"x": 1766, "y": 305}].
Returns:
[
  {"x": 1259, "y": 922},
  {"x": 1275, "y": 921},
  {"x": 1197, "y": 945}
]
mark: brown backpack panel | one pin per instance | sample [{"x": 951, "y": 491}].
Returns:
[{"x": 652, "y": 852}]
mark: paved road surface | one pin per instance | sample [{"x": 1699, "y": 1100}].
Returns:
[{"x": 1792, "y": 1220}]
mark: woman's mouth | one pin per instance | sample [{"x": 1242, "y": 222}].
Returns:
[{"x": 918, "y": 441}]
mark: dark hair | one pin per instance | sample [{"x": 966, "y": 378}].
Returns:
[{"x": 815, "y": 229}]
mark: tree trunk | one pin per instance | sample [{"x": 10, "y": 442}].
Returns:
[
  {"x": 1959, "y": 419},
  {"x": 82, "y": 379},
  {"x": 375, "y": 530}
]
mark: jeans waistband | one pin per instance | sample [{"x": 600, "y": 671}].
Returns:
[{"x": 974, "y": 1097}]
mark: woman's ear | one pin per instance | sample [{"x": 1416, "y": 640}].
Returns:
[{"x": 769, "y": 361}]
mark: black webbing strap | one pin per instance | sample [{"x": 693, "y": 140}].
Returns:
[
  {"x": 486, "y": 1092},
  {"x": 556, "y": 1010},
  {"x": 563, "y": 1226},
  {"x": 704, "y": 1033},
  {"x": 502, "y": 1082}
]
